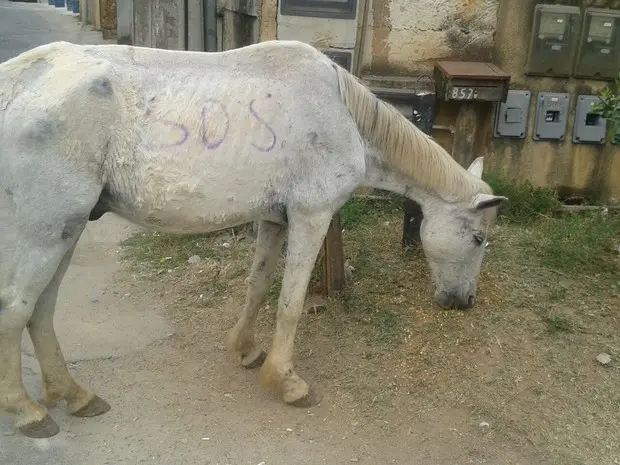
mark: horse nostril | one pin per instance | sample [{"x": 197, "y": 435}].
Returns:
[{"x": 445, "y": 301}]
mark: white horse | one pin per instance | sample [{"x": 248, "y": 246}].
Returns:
[{"x": 189, "y": 142}]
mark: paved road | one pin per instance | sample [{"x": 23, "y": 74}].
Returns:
[{"x": 27, "y": 25}]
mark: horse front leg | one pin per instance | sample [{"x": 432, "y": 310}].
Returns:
[
  {"x": 241, "y": 337},
  {"x": 306, "y": 233},
  {"x": 57, "y": 382}
]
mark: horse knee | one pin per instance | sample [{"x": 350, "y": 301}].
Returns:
[{"x": 14, "y": 315}]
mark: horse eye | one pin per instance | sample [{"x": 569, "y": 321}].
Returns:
[{"x": 478, "y": 239}]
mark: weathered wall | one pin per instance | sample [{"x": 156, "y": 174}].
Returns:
[
  {"x": 323, "y": 33},
  {"x": 268, "y": 26},
  {"x": 572, "y": 168},
  {"x": 159, "y": 24},
  {"x": 85, "y": 14},
  {"x": 108, "y": 18},
  {"x": 405, "y": 36},
  {"x": 93, "y": 12}
]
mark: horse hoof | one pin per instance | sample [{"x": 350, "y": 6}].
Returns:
[
  {"x": 45, "y": 428},
  {"x": 257, "y": 362},
  {"x": 309, "y": 400},
  {"x": 96, "y": 406}
]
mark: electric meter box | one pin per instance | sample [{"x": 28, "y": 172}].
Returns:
[
  {"x": 589, "y": 127},
  {"x": 551, "y": 116},
  {"x": 554, "y": 40},
  {"x": 599, "y": 47}
]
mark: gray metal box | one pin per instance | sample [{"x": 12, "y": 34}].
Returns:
[
  {"x": 589, "y": 127},
  {"x": 599, "y": 50},
  {"x": 554, "y": 40},
  {"x": 551, "y": 116},
  {"x": 511, "y": 117}
]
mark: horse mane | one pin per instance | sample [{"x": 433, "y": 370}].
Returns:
[{"x": 404, "y": 146}]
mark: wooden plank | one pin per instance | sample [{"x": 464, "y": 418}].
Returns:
[
  {"x": 333, "y": 276},
  {"x": 195, "y": 26},
  {"x": 142, "y": 23},
  {"x": 170, "y": 31}
]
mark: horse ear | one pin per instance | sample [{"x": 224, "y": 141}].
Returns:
[
  {"x": 476, "y": 166},
  {"x": 483, "y": 201}
]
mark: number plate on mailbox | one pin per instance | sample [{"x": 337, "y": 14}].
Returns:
[
  {"x": 470, "y": 81},
  {"x": 474, "y": 93}
]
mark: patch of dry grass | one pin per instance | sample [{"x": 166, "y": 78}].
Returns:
[{"x": 523, "y": 360}]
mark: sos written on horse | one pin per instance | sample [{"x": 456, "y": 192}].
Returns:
[{"x": 192, "y": 142}]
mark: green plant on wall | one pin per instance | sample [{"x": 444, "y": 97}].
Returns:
[{"x": 609, "y": 107}]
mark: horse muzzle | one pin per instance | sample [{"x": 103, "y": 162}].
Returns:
[{"x": 450, "y": 300}]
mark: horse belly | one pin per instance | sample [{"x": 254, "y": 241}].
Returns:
[{"x": 201, "y": 201}]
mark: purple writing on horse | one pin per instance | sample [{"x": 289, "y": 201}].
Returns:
[
  {"x": 264, "y": 123},
  {"x": 182, "y": 137},
  {"x": 214, "y": 116}
]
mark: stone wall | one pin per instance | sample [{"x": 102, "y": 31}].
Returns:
[{"x": 406, "y": 36}]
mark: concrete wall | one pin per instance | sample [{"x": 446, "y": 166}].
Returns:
[
  {"x": 89, "y": 9},
  {"x": 405, "y": 36},
  {"x": 84, "y": 13},
  {"x": 124, "y": 15},
  {"x": 323, "y": 33},
  {"x": 574, "y": 169},
  {"x": 395, "y": 37}
]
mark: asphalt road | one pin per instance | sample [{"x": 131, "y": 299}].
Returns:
[{"x": 27, "y": 25}]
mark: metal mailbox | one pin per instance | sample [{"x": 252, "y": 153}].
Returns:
[{"x": 470, "y": 81}]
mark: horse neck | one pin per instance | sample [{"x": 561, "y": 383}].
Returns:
[{"x": 379, "y": 175}]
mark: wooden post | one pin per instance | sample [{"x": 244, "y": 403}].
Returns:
[
  {"x": 423, "y": 118},
  {"x": 333, "y": 276}
]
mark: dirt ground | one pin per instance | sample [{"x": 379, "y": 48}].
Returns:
[
  {"x": 512, "y": 382},
  {"x": 178, "y": 397}
]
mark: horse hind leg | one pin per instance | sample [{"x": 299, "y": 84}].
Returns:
[
  {"x": 241, "y": 337},
  {"x": 57, "y": 382},
  {"x": 47, "y": 228},
  {"x": 33, "y": 266}
]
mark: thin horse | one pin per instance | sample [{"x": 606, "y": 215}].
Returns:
[{"x": 190, "y": 142}]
